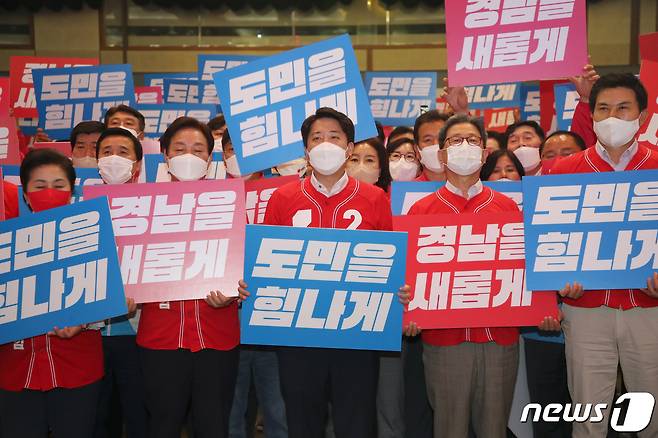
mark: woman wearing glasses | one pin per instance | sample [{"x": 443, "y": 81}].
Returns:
[{"x": 402, "y": 160}]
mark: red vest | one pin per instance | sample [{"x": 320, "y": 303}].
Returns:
[
  {"x": 443, "y": 201},
  {"x": 358, "y": 206},
  {"x": 589, "y": 161}
]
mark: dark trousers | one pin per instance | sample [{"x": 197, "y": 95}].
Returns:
[
  {"x": 546, "y": 369},
  {"x": 312, "y": 377},
  {"x": 67, "y": 413},
  {"x": 176, "y": 380},
  {"x": 418, "y": 422},
  {"x": 123, "y": 373}
]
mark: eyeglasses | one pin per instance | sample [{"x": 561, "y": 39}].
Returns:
[
  {"x": 473, "y": 140},
  {"x": 410, "y": 157}
]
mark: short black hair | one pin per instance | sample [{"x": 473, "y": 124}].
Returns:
[
  {"x": 44, "y": 157},
  {"x": 428, "y": 117},
  {"x": 184, "y": 123},
  {"x": 529, "y": 123},
  {"x": 463, "y": 118},
  {"x": 385, "y": 178},
  {"x": 120, "y": 132},
  {"x": 499, "y": 137},
  {"x": 345, "y": 123},
  {"x": 88, "y": 127},
  {"x": 391, "y": 146},
  {"x": 217, "y": 122},
  {"x": 400, "y": 130},
  {"x": 576, "y": 138},
  {"x": 125, "y": 109},
  {"x": 619, "y": 80},
  {"x": 491, "y": 161},
  {"x": 380, "y": 131}
]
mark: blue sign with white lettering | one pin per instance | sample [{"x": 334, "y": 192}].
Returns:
[
  {"x": 396, "y": 98},
  {"x": 208, "y": 65},
  {"x": 404, "y": 194},
  {"x": 180, "y": 91},
  {"x": 316, "y": 287},
  {"x": 158, "y": 117},
  {"x": 530, "y": 98},
  {"x": 68, "y": 96},
  {"x": 157, "y": 79},
  {"x": 266, "y": 100},
  {"x": 599, "y": 229},
  {"x": 566, "y": 99},
  {"x": 59, "y": 269},
  {"x": 494, "y": 96}
]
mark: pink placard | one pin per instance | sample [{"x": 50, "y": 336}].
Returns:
[
  {"x": 9, "y": 148},
  {"x": 178, "y": 240},
  {"x": 148, "y": 95},
  {"x": 64, "y": 147},
  {"x": 494, "y": 42},
  {"x": 5, "y": 97}
]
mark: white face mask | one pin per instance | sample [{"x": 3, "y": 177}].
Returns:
[
  {"x": 115, "y": 169},
  {"x": 615, "y": 133},
  {"x": 132, "y": 131},
  {"x": 294, "y": 167},
  {"x": 464, "y": 159},
  {"x": 528, "y": 156},
  {"x": 429, "y": 156},
  {"x": 403, "y": 170},
  {"x": 363, "y": 173},
  {"x": 232, "y": 167},
  {"x": 326, "y": 158},
  {"x": 217, "y": 144},
  {"x": 85, "y": 162},
  {"x": 503, "y": 180},
  {"x": 188, "y": 167}
]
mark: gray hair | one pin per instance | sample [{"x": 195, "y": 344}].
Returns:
[{"x": 462, "y": 118}]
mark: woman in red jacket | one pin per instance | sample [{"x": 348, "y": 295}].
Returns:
[{"x": 50, "y": 382}]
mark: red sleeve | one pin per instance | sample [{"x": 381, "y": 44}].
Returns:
[
  {"x": 272, "y": 212},
  {"x": 582, "y": 124},
  {"x": 10, "y": 194},
  {"x": 383, "y": 207}
]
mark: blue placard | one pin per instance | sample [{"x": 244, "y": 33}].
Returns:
[
  {"x": 68, "y": 96},
  {"x": 530, "y": 102},
  {"x": 404, "y": 194},
  {"x": 315, "y": 287},
  {"x": 156, "y": 169},
  {"x": 180, "y": 91},
  {"x": 265, "y": 101},
  {"x": 83, "y": 177},
  {"x": 494, "y": 96},
  {"x": 157, "y": 79},
  {"x": 210, "y": 64},
  {"x": 59, "y": 268},
  {"x": 159, "y": 117},
  {"x": 598, "y": 229},
  {"x": 396, "y": 98},
  {"x": 28, "y": 126},
  {"x": 566, "y": 99}
]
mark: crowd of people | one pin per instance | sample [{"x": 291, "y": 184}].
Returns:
[{"x": 179, "y": 365}]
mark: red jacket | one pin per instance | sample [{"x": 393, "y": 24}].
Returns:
[
  {"x": 589, "y": 161},
  {"x": 582, "y": 124},
  {"x": 45, "y": 362},
  {"x": 443, "y": 201},
  {"x": 358, "y": 206},
  {"x": 190, "y": 324}
]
